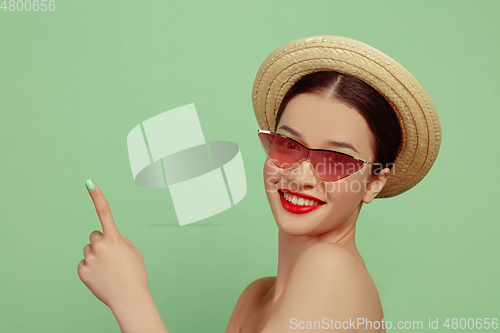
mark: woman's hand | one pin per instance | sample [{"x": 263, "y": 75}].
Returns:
[{"x": 113, "y": 268}]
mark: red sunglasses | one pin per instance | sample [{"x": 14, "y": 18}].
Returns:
[{"x": 329, "y": 165}]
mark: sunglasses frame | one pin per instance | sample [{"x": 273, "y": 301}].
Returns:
[{"x": 310, "y": 149}]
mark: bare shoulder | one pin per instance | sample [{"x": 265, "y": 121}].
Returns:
[
  {"x": 255, "y": 291},
  {"x": 249, "y": 300},
  {"x": 327, "y": 281},
  {"x": 336, "y": 270},
  {"x": 262, "y": 284},
  {"x": 332, "y": 259}
]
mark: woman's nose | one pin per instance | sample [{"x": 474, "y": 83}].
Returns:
[{"x": 304, "y": 175}]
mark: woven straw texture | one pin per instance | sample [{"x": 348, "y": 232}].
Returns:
[{"x": 421, "y": 130}]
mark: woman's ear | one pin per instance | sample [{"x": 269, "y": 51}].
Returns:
[{"x": 376, "y": 185}]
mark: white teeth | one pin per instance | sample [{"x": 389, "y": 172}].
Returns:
[{"x": 299, "y": 201}]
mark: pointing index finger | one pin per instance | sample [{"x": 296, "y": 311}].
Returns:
[{"x": 103, "y": 210}]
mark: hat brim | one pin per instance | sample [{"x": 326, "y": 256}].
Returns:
[{"x": 421, "y": 129}]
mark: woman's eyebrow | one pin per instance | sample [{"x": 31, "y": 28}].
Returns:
[{"x": 338, "y": 144}]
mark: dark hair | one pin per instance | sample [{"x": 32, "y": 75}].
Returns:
[{"x": 374, "y": 108}]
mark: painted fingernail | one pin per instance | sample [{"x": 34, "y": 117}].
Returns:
[{"x": 90, "y": 184}]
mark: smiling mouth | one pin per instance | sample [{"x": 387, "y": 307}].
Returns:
[
  {"x": 298, "y": 205},
  {"x": 300, "y": 201}
]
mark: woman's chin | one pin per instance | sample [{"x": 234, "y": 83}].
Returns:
[
  {"x": 295, "y": 225},
  {"x": 292, "y": 224}
]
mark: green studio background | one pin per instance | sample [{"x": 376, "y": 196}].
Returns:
[{"x": 75, "y": 81}]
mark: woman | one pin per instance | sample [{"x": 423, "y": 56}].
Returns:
[{"x": 348, "y": 124}]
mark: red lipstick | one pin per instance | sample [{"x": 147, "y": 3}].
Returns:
[
  {"x": 298, "y": 209},
  {"x": 303, "y": 195}
]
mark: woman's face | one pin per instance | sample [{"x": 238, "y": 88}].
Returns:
[{"x": 320, "y": 122}]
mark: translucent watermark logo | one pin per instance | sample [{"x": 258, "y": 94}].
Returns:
[
  {"x": 288, "y": 177},
  {"x": 332, "y": 324},
  {"x": 366, "y": 324},
  {"x": 170, "y": 151}
]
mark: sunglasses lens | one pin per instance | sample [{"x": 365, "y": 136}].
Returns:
[
  {"x": 282, "y": 151},
  {"x": 333, "y": 166},
  {"x": 329, "y": 165}
]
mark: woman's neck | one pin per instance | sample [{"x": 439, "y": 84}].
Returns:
[{"x": 291, "y": 247}]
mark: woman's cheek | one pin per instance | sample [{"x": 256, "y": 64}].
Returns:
[
  {"x": 347, "y": 192},
  {"x": 272, "y": 174},
  {"x": 270, "y": 168}
]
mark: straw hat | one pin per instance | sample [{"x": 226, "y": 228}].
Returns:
[{"x": 421, "y": 130}]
